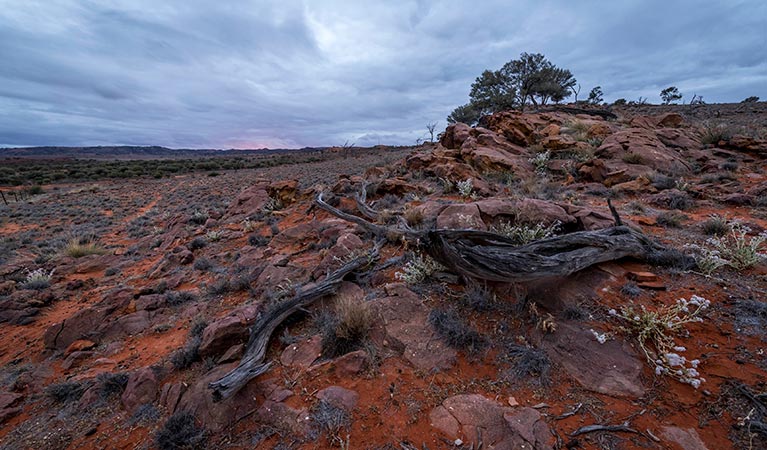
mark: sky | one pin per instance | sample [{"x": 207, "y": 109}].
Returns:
[{"x": 290, "y": 74}]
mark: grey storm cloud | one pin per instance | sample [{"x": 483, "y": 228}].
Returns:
[{"x": 250, "y": 74}]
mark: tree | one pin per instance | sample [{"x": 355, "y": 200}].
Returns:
[
  {"x": 537, "y": 79},
  {"x": 530, "y": 79},
  {"x": 670, "y": 94},
  {"x": 576, "y": 92},
  {"x": 595, "y": 96},
  {"x": 430, "y": 127},
  {"x": 467, "y": 114},
  {"x": 752, "y": 99},
  {"x": 620, "y": 102}
]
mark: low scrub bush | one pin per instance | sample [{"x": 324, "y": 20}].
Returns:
[
  {"x": 456, "y": 332},
  {"x": 180, "y": 432},
  {"x": 655, "y": 331}
]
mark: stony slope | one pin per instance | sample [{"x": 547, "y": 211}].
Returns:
[{"x": 119, "y": 347}]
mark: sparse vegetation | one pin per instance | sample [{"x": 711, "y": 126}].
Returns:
[
  {"x": 455, "y": 331},
  {"x": 37, "y": 279},
  {"x": 66, "y": 392},
  {"x": 418, "y": 269},
  {"x": 524, "y": 233},
  {"x": 180, "y": 432},
  {"x": 78, "y": 247},
  {"x": 655, "y": 331}
]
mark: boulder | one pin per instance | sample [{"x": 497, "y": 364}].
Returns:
[
  {"x": 407, "y": 330},
  {"x": 249, "y": 202},
  {"x": 455, "y": 135},
  {"x": 644, "y": 148},
  {"x": 222, "y": 334},
  {"x": 302, "y": 354},
  {"x": 461, "y": 217},
  {"x": 141, "y": 388},
  {"x": 339, "y": 397},
  {"x": 283, "y": 191},
  {"x": 472, "y": 417},
  {"x": 612, "y": 368}
]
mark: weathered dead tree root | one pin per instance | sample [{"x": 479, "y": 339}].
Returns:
[
  {"x": 252, "y": 363},
  {"x": 493, "y": 257}
]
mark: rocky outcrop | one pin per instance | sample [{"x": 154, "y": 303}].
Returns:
[{"x": 473, "y": 418}]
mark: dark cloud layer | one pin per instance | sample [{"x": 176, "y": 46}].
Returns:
[{"x": 248, "y": 74}]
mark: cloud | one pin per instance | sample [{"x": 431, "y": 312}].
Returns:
[{"x": 197, "y": 74}]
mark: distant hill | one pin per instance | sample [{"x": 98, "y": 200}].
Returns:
[{"x": 127, "y": 152}]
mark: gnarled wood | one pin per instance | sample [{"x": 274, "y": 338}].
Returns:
[
  {"x": 489, "y": 256},
  {"x": 252, "y": 363}
]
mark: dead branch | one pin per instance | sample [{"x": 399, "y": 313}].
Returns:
[
  {"x": 252, "y": 363},
  {"x": 492, "y": 257},
  {"x": 612, "y": 428},
  {"x": 362, "y": 206}
]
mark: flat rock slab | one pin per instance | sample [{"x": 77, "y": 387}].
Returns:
[
  {"x": 474, "y": 418},
  {"x": 612, "y": 368},
  {"x": 686, "y": 438},
  {"x": 406, "y": 321}
]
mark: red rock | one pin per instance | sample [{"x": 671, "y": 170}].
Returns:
[
  {"x": 471, "y": 417},
  {"x": 351, "y": 364},
  {"x": 461, "y": 217},
  {"x": 407, "y": 330},
  {"x": 141, "y": 389},
  {"x": 612, "y": 368},
  {"x": 284, "y": 191},
  {"x": 339, "y": 397},
  {"x": 686, "y": 438},
  {"x": 75, "y": 359},
  {"x": 642, "y": 276},
  {"x": 79, "y": 345},
  {"x": 455, "y": 135},
  {"x": 302, "y": 354},
  {"x": 222, "y": 334},
  {"x": 249, "y": 202},
  {"x": 170, "y": 395},
  {"x": 655, "y": 285}
]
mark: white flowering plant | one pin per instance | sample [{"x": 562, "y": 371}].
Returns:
[
  {"x": 465, "y": 188},
  {"x": 655, "y": 331},
  {"x": 738, "y": 249},
  {"x": 524, "y": 233},
  {"x": 541, "y": 161},
  {"x": 418, "y": 269}
]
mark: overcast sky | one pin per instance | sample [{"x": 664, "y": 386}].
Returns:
[{"x": 251, "y": 74}]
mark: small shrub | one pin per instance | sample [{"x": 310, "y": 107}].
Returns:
[
  {"x": 330, "y": 418},
  {"x": 37, "y": 279},
  {"x": 465, "y": 188},
  {"x": 214, "y": 235},
  {"x": 197, "y": 243},
  {"x": 413, "y": 216},
  {"x": 523, "y": 233},
  {"x": 716, "y": 225},
  {"x": 145, "y": 414},
  {"x": 671, "y": 258},
  {"x": 219, "y": 287},
  {"x": 655, "y": 331},
  {"x": 256, "y": 240},
  {"x": 662, "y": 182},
  {"x": 455, "y": 331},
  {"x": 541, "y": 162},
  {"x": 528, "y": 363},
  {"x": 79, "y": 247},
  {"x": 66, "y": 392},
  {"x": 198, "y": 217},
  {"x": 180, "y": 432},
  {"x": 111, "y": 384},
  {"x": 680, "y": 202},
  {"x": 175, "y": 298},
  {"x": 480, "y": 298},
  {"x": 418, "y": 270},
  {"x": 670, "y": 219},
  {"x": 633, "y": 158},
  {"x": 713, "y": 133},
  {"x": 346, "y": 328},
  {"x": 190, "y": 354},
  {"x": 740, "y": 251},
  {"x": 730, "y": 166},
  {"x": 202, "y": 264},
  {"x": 630, "y": 289}
]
